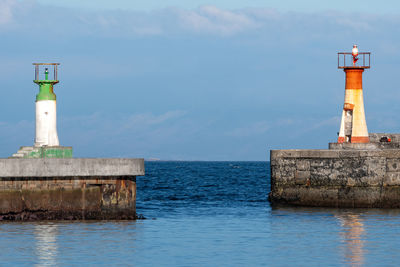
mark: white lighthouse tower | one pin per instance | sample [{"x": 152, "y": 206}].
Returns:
[
  {"x": 46, "y": 107},
  {"x": 46, "y": 137}
]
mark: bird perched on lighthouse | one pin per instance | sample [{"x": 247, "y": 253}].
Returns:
[{"x": 354, "y": 52}]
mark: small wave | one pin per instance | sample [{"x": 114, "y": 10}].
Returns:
[
  {"x": 257, "y": 200},
  {"x": 174, "y": 198},
  {"x": 208, "y": 185},
  {"x": 162, "y": 187}
]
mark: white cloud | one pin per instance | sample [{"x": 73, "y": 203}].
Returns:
[
  {"x": 6, "y": 11},
  {"x": 106, "y": 126},
  {"x": 149, "y": 119},
  {"x": 253, "y": 129},
  {"x": 354, "y": 23},
  {"x": 210, "y": 19},
  {"x": 309, "y": 125},
  {"x": 140, "y": 134}
]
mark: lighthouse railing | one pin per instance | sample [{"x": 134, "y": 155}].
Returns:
[
  {"x": 345, "y": 60},
  {"x": 37, "y": 70}
]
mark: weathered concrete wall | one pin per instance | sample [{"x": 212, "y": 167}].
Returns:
[
  {"x": 375, "y": 143},
  {"x": 49, "y": 167},
  {"x": 336, "y": 178},
  {"x": 366, "y": 146},
  {"x": 49, "y": 189}
]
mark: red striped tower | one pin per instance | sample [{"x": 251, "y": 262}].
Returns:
[{"x": 353, "y": 127}]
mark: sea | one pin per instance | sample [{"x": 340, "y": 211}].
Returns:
[{"x": 209, "y": 214}]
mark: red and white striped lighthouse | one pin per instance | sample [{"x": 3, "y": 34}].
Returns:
[{"x": 353, "y": 127}]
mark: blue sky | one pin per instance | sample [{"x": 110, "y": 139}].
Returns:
[
  {"x": 389, "y": 6},
  {"x": 195, "y": 81}
]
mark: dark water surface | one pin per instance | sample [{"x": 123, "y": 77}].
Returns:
[{"x": 210, "y": 214}]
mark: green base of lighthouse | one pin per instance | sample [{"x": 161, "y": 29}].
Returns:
[{"x": 31, "y": 152}]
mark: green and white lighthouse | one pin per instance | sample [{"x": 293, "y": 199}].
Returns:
[
  {"x": 46, "y": 144},
  {"x": 46, "y": 107}
]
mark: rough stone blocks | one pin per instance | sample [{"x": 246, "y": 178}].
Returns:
[
  {"x": 336, "y": 178},
  {"x": 113, "y": 198}
]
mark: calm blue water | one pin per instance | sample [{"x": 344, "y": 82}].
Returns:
[{"x": 210, "y": 214}]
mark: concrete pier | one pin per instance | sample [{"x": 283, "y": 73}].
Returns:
[
  {"x": 360, "y": 176},
  {"x": 68, "y": 189}
]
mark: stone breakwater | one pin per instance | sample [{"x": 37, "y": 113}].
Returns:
[
  {"x": 68, "y": 189},
  {"x": 348, "y": 178}
]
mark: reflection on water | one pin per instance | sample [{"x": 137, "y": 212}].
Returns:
[
  {"x": 353, "y": 236},
  {"x": 46, "y": 244},
  {"x": 249, "y": 237}
]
